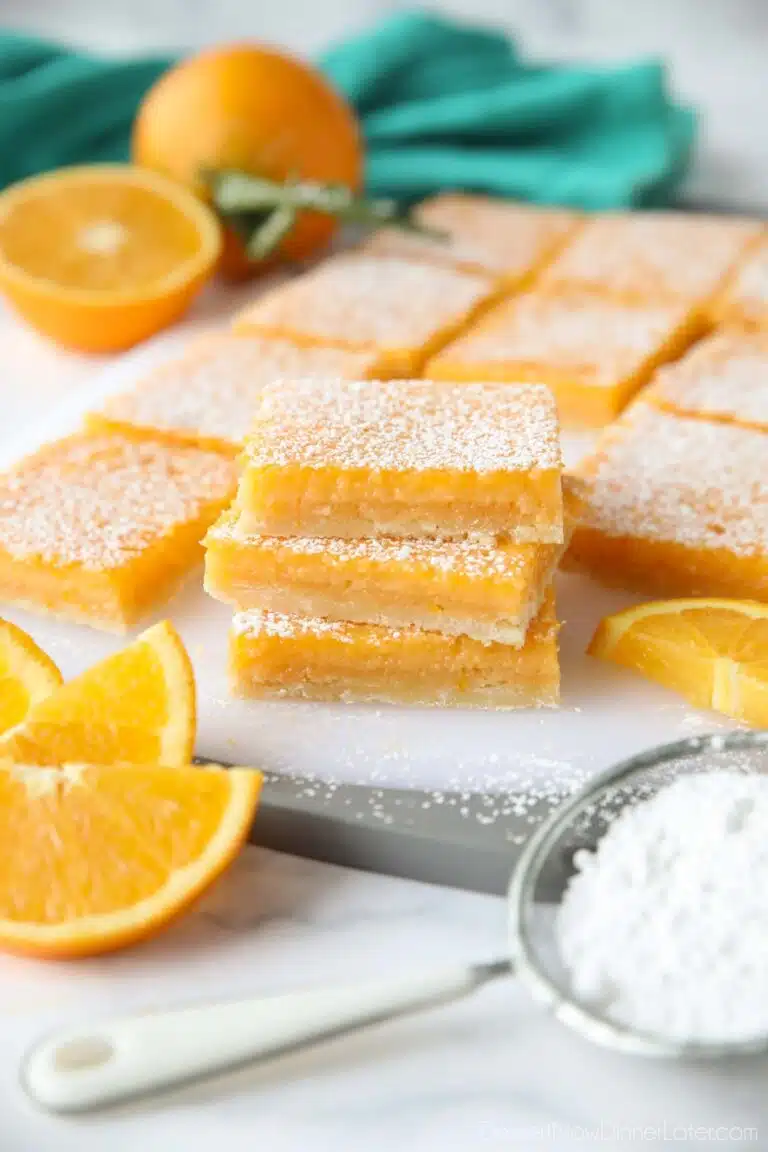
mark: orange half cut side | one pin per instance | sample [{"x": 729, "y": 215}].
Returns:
[{"x": 102, "y": 256}]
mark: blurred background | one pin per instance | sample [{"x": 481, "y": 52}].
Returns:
[{"x": 715, "y": 49}]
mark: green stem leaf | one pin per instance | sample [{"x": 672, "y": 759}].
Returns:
[
  {"x": 272, "y": 207},
  {"x": 267, "y": 238}
]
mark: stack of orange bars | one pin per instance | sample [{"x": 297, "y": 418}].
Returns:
[{"x": 395, "y": 541}]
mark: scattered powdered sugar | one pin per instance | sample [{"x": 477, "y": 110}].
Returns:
[
  {"x": 602, "y": 339},
  {"x": 400, "y": 425},
  {"x": 726, "y": 375},
  {"x": 659, "y": 476},
  {"x": 510, "y": 789},
  {"x": 491, "y": 235},
  {"x": 214, "y": 388},
  {"x": 369, "y": 301},
  {"x": 751, "y": 284},
  {"x": 654, "y": 252},
  {"x": 516, "y": 793},
  {"x": 99, "y": 501},
  {"x": 664, "y": 927}
]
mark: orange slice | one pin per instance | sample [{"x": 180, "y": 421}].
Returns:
[
  {"x": 27, "y": 675},
  {"x": 136, "y": 706},
  {"x": 95, "y": 858},
  {"x": 103, "y": 256},
  {"x": 713, "y": 652}
]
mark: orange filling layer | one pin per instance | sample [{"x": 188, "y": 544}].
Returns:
[
  {"x": 487, "y": 590},
  {"x": 272, "y": 654},
  {"x": 351, "y": 503}
]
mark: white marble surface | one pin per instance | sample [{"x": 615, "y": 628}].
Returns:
[{"x": 493, "y": 1072}]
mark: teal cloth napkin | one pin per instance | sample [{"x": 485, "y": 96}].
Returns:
[{"x": 443, "y": 105}]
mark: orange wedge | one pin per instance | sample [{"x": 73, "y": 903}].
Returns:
[
  {"x": 713, "y": 652},
  {"x": 136, "y": 706},
  {"x": 97, "y": 857},
  {"x": 100, "y": 257},
  {"x": 27, "y": 675}
]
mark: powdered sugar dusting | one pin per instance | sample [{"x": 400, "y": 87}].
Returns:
[
  {"x": 255, "y": 623},
  {"x": 482, "y": 234},
  {"x": 664, "y": 926},
  {"x": 469, "y": 556},
  {"x": 725, "y": 376},
  {"x": 604, "y": 340},
  {"x": 751, "y": 284},
  {"x": 360, "y": 301},
  {"x": 406, "y": 425},
  {"x": 100, "y": 501},
  {"x": 214, "y": 388},
  {"x": 654, "y": 253},
  {"x": 660, "y": 476}
]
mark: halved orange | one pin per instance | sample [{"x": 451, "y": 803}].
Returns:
[
  {"x": 135, "y": 706},
  {"x": 713, "y": 652},
  {"x": 27, "y": 675},
  {"x": 97, "y": 857},
  {"x": 102, "y": 256}
]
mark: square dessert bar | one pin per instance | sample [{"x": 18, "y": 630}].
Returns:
[
  {"x": 653, "y": 255},
  {"x": 98, "y": 529},
  {"x": 207, "y": 397},
  {"x": 400, "y": 310},
  {"x": 593, "y": 353},
  {"x": 675, "y": 507},
  {"x": 723, "y": 378},
  {"x": 403, "y": 458},
  {"x": 744, "y": 299},
  {"x": 506, "y": 241},
  {"x": 489, "y": 590},
  {"x": 308, "y": 658}
]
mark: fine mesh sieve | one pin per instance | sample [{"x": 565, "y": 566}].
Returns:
[
  {"x": 86, "y": 1068},
  {"x": 547, "y": 863}
]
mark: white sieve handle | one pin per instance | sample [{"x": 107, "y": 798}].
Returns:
[{"x": 87, "y": 1068}]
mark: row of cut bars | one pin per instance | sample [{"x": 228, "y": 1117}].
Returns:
[
  {"x": 131, "y": 505},
  {"x": 449, "y": 311},
  {"x": 676, "y": 493},
  {"x": 590, "y": 307}
]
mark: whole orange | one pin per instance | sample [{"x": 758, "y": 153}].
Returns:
[{"x": 249, "y": 108}]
